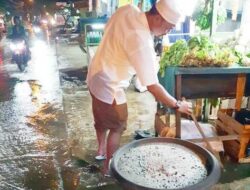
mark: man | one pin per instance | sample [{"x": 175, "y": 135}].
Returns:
[
  {"x": 127, "y": 46},
  {"x": 18, "y": 31}
]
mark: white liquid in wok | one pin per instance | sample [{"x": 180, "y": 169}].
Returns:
[{"x": 162, "y": 166}]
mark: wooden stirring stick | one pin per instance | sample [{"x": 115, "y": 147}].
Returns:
[{"x": 209, "y": 147}]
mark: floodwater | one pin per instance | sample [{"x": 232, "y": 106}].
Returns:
[
  {"x": 35, "y": 151},
  {"x": 33, "y": 147},
  {"x": 27, "y": 158}
]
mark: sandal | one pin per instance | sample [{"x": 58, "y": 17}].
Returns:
[
  {"x": 108, "y": 175},
  {"x": 100, "y": 157}
]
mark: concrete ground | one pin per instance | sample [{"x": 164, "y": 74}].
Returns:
[{"x": 77, "y": 108}]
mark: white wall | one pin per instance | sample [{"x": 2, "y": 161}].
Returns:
[{"x": 229, "y": 4}]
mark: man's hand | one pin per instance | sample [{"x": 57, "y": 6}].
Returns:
[
  {"x": 185, "y": 107},
  {"x": 163, "y": 96}
]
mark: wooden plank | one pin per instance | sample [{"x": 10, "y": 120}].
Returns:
[
  {"x": 216, "y": 145},
  {"x": 178, "y": 97},
  {"x": 227, "y": 111},
  {"x": 220, "y": 138},
  {"x": 224, "y": 127},
  {"x": 167, "y": 119},
  {"x": 247, "y": 88},
  {"x": 159, "y": 124},
  {"x": 209, "y": 147},
  {"x": 247, "y": 127},
  {"x": 230, "y": 122},
  {"x": 240, "y": 89},
  {"x": 243, "y": 145},
  {"x": 208, "y": 86},
  {"x": 198, "y": 109},
  {"x": 232, "y": 148},
  {"x": 244, "y": 160},
  {"x": 202, "y": 133},
  {"x": 246, "y": 133}
]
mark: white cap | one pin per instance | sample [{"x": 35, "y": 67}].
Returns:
[{"x": 169, "y": 10}]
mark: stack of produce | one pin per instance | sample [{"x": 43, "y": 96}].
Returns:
[
  {"x": 241, "y": 50},
  {"x": 246, "y": 60},
  {"x": 200, "y": 51}
]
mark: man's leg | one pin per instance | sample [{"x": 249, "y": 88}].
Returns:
[
  {"x": 113, "y": 142},
  {"x": 114, "y": 136},
  {"x": 99, "y": 129},
  {"x": 109, "y": 117},
  {"x": 101, "y": 138}
]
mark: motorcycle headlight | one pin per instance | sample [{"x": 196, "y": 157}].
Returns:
[
  {"x": 13, "y": 46},
  {"x": 20, "y": 45},
  {"x": 37, "y": 29}
]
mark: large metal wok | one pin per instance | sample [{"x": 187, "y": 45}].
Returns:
[{"x": 210, "y": 162}]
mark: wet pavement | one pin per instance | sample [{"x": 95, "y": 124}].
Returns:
[
  {"x": 47, "y": 139},
  {"x": 33, "y": 139},
  {"x": 35, "y": 142}
]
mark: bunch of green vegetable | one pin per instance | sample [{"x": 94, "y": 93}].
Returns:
[
  {"x": 204, "y": 19},
  {"x": 239, "y": 57},
  {"x": 200, "y": 51},
  {"x": 203, "y": 52},
  {"x": 174, "y": 56},
  {"x": 240, "y": 49},
  {"x": 242, "y": 59},
  {"x": 200, "y": 42}
]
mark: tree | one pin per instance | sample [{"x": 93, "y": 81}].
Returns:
[
  {"x": 204, "y": 14},
  {"x": 67, "y": 11}
]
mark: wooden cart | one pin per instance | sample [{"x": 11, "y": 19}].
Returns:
[{"x": 210, "y": 82}]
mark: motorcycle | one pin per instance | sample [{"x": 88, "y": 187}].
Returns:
[
  {"x": 20, "y": 53},
  {"x": 39, "y": 32}
]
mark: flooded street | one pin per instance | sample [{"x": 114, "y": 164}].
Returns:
[
  {"x": 35, "y": 144},
  {"x": 33, "y": 148}
]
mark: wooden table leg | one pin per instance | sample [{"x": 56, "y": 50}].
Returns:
[
  {"x": 244, "y": 139},
  {"x": 240, "y": 89},
  {"x": 178, "y": 97}
]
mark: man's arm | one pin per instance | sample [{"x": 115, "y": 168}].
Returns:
[{"x": 164, "y": 97}]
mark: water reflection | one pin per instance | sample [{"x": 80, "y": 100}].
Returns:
[
  {"x": 6, "y": 85},
  {"x": 34, "y": 152},
  {"x": 29, "y": 153}
]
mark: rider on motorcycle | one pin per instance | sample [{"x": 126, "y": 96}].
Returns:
[
  {"x": 18, "y": 31},
  {"x": 19, "y": 45}
]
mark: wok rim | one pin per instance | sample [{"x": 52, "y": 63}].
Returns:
[{"x": 212, "y": 178}]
